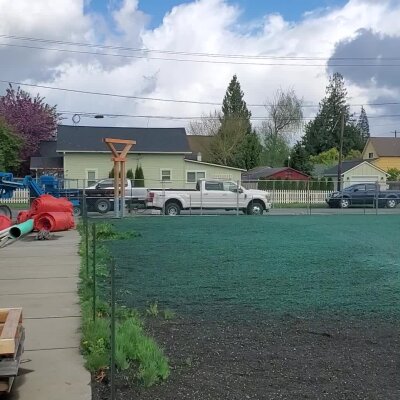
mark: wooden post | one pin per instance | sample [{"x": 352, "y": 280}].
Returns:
[{"x": 119, "y": 158}]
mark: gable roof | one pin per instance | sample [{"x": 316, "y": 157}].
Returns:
[
  {"x": 265, "y": 172},
  {"x": 199, "y": 144},
  {"x": 148, "y": 140},
  {"x": 348, "y": 165},
  {"x": 385, "y": 146}
]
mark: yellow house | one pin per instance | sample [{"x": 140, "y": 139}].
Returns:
[{"x": 383, "y": 152}]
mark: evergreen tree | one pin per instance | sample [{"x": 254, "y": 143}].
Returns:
[
  {"x": 235, "y": 132},
  {"x": 363, "y": 124},
  {"x": 9, "y": 149},
  {"x": 129, "y": 174},
  {"x": 323, "y": 133},
  {"x": 139, "y": 176},
  {"x": 111, "y": 173},
  {"x": 300, "y": 159}
]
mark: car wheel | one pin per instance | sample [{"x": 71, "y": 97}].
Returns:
[
  {"x": 255, "y": 208},
  {"x": 391, "y": 203},
  {"x": 102, "y": 206},
  {"x": 344, "y": 203},
  {"x": 172, "y": 209},
  {"x": 77, "y": 211}
]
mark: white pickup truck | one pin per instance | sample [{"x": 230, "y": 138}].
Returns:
[{"x": 211, "y": 195}]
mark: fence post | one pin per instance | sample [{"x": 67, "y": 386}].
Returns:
[
  {"x": 112, "y": 326},
  {"x": 86, "y": 226},
  {"x": 94, "y": 268},
  {"x": 237, "y": 197}
]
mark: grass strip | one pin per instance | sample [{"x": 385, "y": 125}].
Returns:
[{"x": 137, "y": 354}]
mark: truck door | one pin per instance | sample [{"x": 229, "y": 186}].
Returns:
[
  {"x": 233, "y": 197},
  {"x": 212, "y": 195},
  {"x": 359, "y": 195}
]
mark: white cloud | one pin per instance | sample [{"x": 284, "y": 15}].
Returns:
[{"x": 204, "y": 26}]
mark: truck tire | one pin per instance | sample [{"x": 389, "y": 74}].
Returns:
[
  {"x": 102, "y": 206},
  {"x": 172, "y": 208},
  {"x": 344, "y": 203},
  {"x": 391, "y": 203},
  {"x": 77, "y": 210},
  {"x": 255, "y": 207}
]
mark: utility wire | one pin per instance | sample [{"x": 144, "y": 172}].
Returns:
[
  {"x": 167, "y": 100},
  {"x": 193, "y": 60},
  {"x": 197, "y": 54}
]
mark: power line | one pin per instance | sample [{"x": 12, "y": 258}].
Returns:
[
  {"x": 197, "y": 54},
  {"x": 193, "y": 60},
  {"x": 171, "y": 117},
  {"x": 167, "y": 100}
]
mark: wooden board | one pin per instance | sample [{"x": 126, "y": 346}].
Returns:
[{"x": 10, "y": 331}]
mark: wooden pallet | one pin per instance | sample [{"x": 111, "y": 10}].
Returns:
[{"x": 12, "y": 338}]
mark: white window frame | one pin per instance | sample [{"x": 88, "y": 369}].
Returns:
[
  {"x": 195, "y": 172},
  {"x": 161, "y": 174},
  {"x": 96, "y": 174}
]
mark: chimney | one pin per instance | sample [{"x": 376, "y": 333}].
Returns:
[{"x": 198, "y": 156}]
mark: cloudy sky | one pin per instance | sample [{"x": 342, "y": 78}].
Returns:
[{"x": 172, "y": 50}]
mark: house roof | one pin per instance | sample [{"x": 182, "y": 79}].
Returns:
[
  {"x": 265, "y": 172},
  {"x": 346, "y": 165},
  {"x": 349, "y": 165},
  {"x": 385, "y": 146},
  {"x": 213, "y": 165},
  {"x": 148, "y": 140},
  {"x": 47, "y": 162},
  {"x": 199, "y": 144}
]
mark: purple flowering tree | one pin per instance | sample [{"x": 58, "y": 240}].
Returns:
[{"x": 31, "y": 118}]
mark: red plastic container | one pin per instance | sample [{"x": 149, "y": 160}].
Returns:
[
  {"x": 54, "y": 221},
  {"x": 23, "y": 216},
  {"x": 47, "y": 203},
  {"x": 5, "y": 222}
]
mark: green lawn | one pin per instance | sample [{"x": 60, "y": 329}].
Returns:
[{"x": 227, "y": 266}]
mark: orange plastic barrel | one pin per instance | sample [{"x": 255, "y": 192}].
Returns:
[{"x": 54, "y": 221}]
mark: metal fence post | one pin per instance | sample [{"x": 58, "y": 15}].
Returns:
[
  {"x": 94, "y": 268},
  {"x": 86, "y": 225},
  {"x": 112, "y": 326},
  {"x": 237, "y": 197}
]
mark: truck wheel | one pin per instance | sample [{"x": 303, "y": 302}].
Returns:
[
  {"x": 102, "y": 206},
  {"x": 344, "y": 203},
  {"x": 255, "y": 208},
  {"x": 172, "y": 208},
  {"x": 391, "y": 203},
  {"x": 77, "y": 211}
]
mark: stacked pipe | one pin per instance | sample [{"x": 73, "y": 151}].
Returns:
[{"x": 50, "y": 213}]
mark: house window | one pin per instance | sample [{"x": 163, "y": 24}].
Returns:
[
  {"x": 166, "y": 175},
  {"x": 371, "y": 155},
  {"x": 91, "y": 177},
  {"x": 194, "y": 176}
]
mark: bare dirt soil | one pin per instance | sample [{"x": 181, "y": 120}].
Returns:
[{"x": 290, "y": 358}]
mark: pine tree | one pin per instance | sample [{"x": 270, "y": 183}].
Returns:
[
  {"x": 237, "y": 142},
  {"x": 129, "y": 174},
  {"x": 363, "y": 124},
  {"x": 323, "y": 133},
  {"x": 139, "y": 177}
]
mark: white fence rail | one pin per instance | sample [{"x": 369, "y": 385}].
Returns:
[
  {"x": 299, "y": 196},
  {"x": 19, "y": 196}
]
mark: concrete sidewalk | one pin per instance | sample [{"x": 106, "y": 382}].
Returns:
[{"x": 42, "y": 277}]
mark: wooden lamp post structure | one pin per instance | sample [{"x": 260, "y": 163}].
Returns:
[{"x": 119, "y": 158}]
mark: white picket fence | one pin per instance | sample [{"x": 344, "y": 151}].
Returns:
[
  {"x": 299, "y": 196},
  {"x": 19, "y": 196}
]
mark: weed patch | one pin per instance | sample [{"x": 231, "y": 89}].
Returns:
[{"x": 134, "y": 349}]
